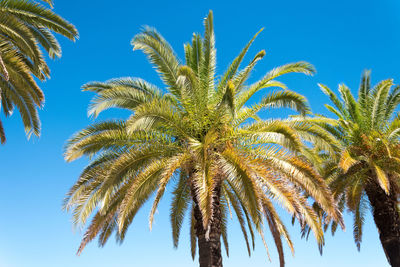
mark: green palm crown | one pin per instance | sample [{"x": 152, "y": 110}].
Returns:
[
  {"x": 200, "y": 137},
  {"x": 368, "y": 167}
]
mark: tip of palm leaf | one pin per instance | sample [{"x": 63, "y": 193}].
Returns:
[
  {"x": 50, "y": 2},
  {"x": 69, "y": 159},
  {"x": 135, "y": 46},
  {"x": 2, "y": 134},
  {"x": 31, "y": 131},
  {"x": 76, "y": 35},
  {"x": 93, "y": 113},
  {"x": 257, "y": 33},
  {"x": 70, "y": 156},
  {"x": 151, "y": 224},
  {"x": 86, "y": 87},
  {"x": 262, "y": 53},
  {"x": 120, "y": 226},
  {"x": 311, "y": 70},
  {"x": 80, "y": 249},
  {"x": 340, "y": 221}
]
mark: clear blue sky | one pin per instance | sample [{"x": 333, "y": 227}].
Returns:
[{"x": 341, "y": 38}]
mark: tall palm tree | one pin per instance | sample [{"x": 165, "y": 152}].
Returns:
[
  {"x": 25, "y": 30},
  {"x": 369, "y": 164},
  {"x": 201, "y": 137}
]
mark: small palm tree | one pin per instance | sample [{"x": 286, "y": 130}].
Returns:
[
  {"x": 25, "y": 29},
  {"x": 200, "y": 137},
  {"x": 369, "y": 165}
]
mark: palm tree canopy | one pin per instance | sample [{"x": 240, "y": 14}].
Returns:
[
  {"x": 368, "y": 128},
  {"x": 199, "y": 136},
  {"x": 26, "y": 29}
]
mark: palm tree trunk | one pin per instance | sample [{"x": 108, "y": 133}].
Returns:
[
  {"x": 209, "y": 240},
  {"x": 387, "y": 220}
]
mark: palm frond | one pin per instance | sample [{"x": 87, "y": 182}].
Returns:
[
  {"x": 208, "y": 61},
  {"x": 160, "y": 54},
  {"x": 234, "y": 66},
  {"x": 179, "y": 205},
  {"x": 171, "y": 167},
  {"x": 298, "y": 67}
]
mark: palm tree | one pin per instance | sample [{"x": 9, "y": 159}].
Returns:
[
  {"x": 199, "y": 136},
  {"x": 369, "y": 164},
  {"x": 25, "y": 30}
]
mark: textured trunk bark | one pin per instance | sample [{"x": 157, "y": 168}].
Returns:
[
  {"x": 209, "y": 240},
  {"x": 387, "y": 220}
]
